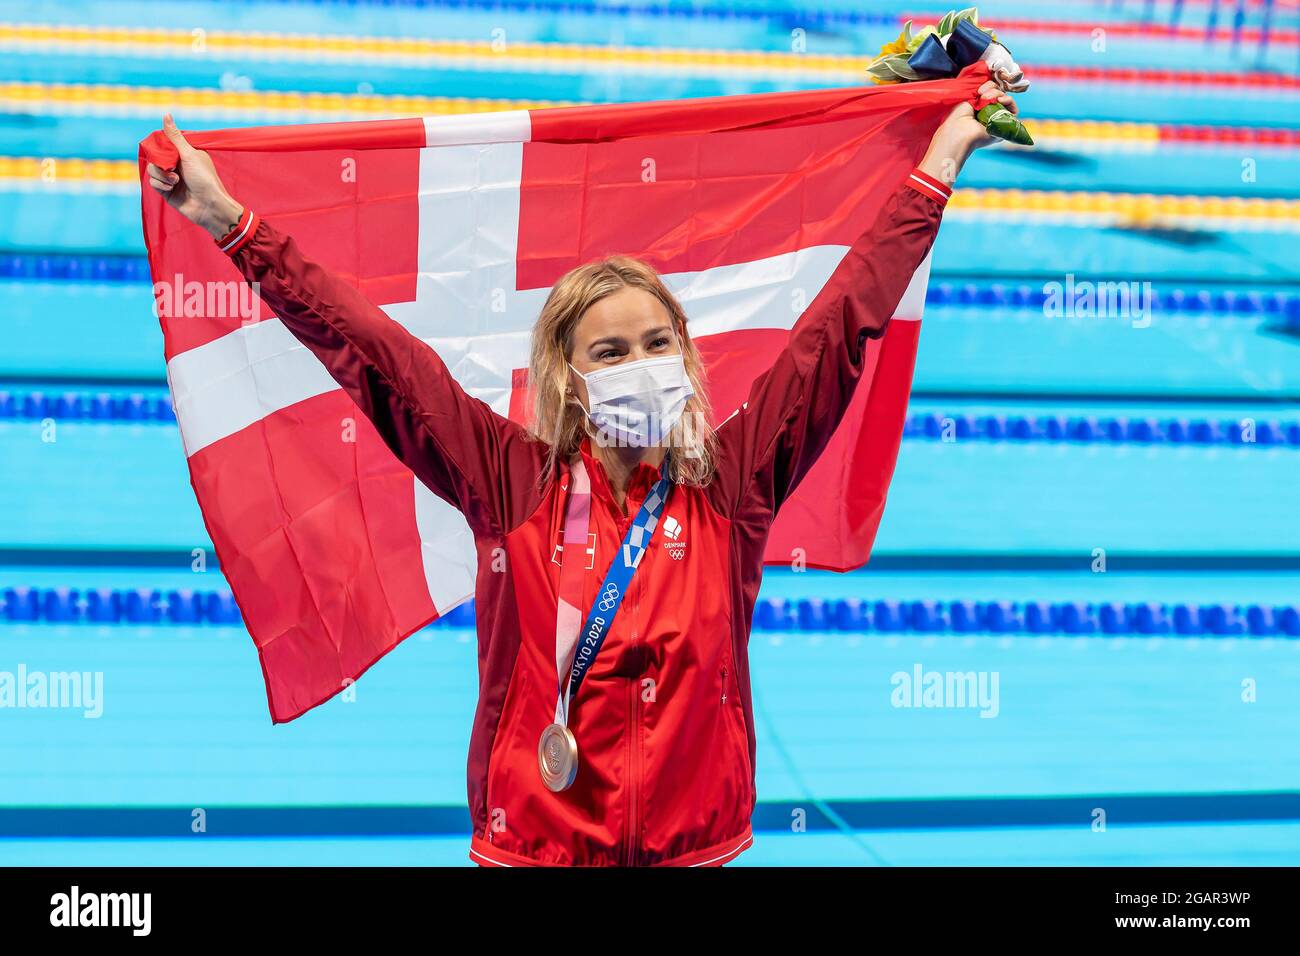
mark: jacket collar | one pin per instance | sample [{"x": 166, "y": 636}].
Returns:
[{"x": 639, "y": 484}]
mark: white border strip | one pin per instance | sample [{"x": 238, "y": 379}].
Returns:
[
  {"x": 235, "y": 241},
  {"x": 940, "y": 194}
]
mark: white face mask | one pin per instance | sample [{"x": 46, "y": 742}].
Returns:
[{"x": 636, "y": 404}]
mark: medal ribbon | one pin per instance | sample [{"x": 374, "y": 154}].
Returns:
[{"x": 574, "y": 656}]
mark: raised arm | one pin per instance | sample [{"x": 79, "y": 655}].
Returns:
[
  {"x": 793, "y": 409},
  {"x": 456, "y": 445}
]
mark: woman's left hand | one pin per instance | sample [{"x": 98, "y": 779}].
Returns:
[{"x": 964, "y": 124}]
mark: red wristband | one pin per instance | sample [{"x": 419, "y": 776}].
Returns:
[
  {"x": 241, "y": 234},
  {"x": 927, "y": 185}
]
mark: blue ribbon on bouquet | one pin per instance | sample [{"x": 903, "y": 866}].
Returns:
[{"x": 965, "y": 45}]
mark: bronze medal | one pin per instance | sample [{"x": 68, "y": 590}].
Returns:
[{"x": 557, "y": 757}]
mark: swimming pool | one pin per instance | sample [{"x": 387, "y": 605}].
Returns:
[{"x": 1079, "y": 545}]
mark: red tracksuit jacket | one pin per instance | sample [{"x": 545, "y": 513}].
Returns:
[{"x": 663, "y": 720}]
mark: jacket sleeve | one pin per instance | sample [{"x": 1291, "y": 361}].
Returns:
[
  {"x": 455, "y": 444},
  {"x": 769, "y": 444}
]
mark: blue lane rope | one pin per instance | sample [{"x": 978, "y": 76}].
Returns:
[
  {"x": 1178, "y": 300},
  {"x": 118, "y": 606},
  {"x": 137, "y": 407},
  {"x": 150, "y": 606},
  {"x": 73, "y": 267},
  {"x": 959, "y": 293},
  {"x": 1137, "y": 619},
  {"x": 36, "y": 405},
  {"x": 778, "y": 14},
  {"x": 1116, "y": 430}
]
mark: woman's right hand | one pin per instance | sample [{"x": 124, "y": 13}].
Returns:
[{"x": 194, "y": 189}]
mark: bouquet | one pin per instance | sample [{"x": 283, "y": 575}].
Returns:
[{"x": 944, "y": 50}]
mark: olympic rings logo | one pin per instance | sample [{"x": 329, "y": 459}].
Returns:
[{"x": 609, "y": 597}]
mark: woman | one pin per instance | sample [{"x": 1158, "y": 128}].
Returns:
[{"x": 621, "y": 538}]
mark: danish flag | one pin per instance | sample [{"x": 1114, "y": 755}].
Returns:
[{"x": 457, "y": 226}]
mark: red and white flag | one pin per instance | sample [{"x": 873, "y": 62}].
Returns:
[{"x": 457, "y": 226}]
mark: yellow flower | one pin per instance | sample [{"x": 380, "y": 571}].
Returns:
[{"x": 898, "y": 46}]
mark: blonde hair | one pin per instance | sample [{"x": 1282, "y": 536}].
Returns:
[{"x": 559, "y": 419}]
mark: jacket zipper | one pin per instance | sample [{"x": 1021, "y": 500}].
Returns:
[
  {"x": 630, "y": 849},
  {"x": 634, "y": 774}
]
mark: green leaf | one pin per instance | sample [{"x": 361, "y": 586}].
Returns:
[
  {"x": 899, "y": 65},
  {"x": 881, "y": 71},
  {"x": 1004, "y": 124},
  {"x": 893, "y": 67},
  {"x": 916, "y": 41}
]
